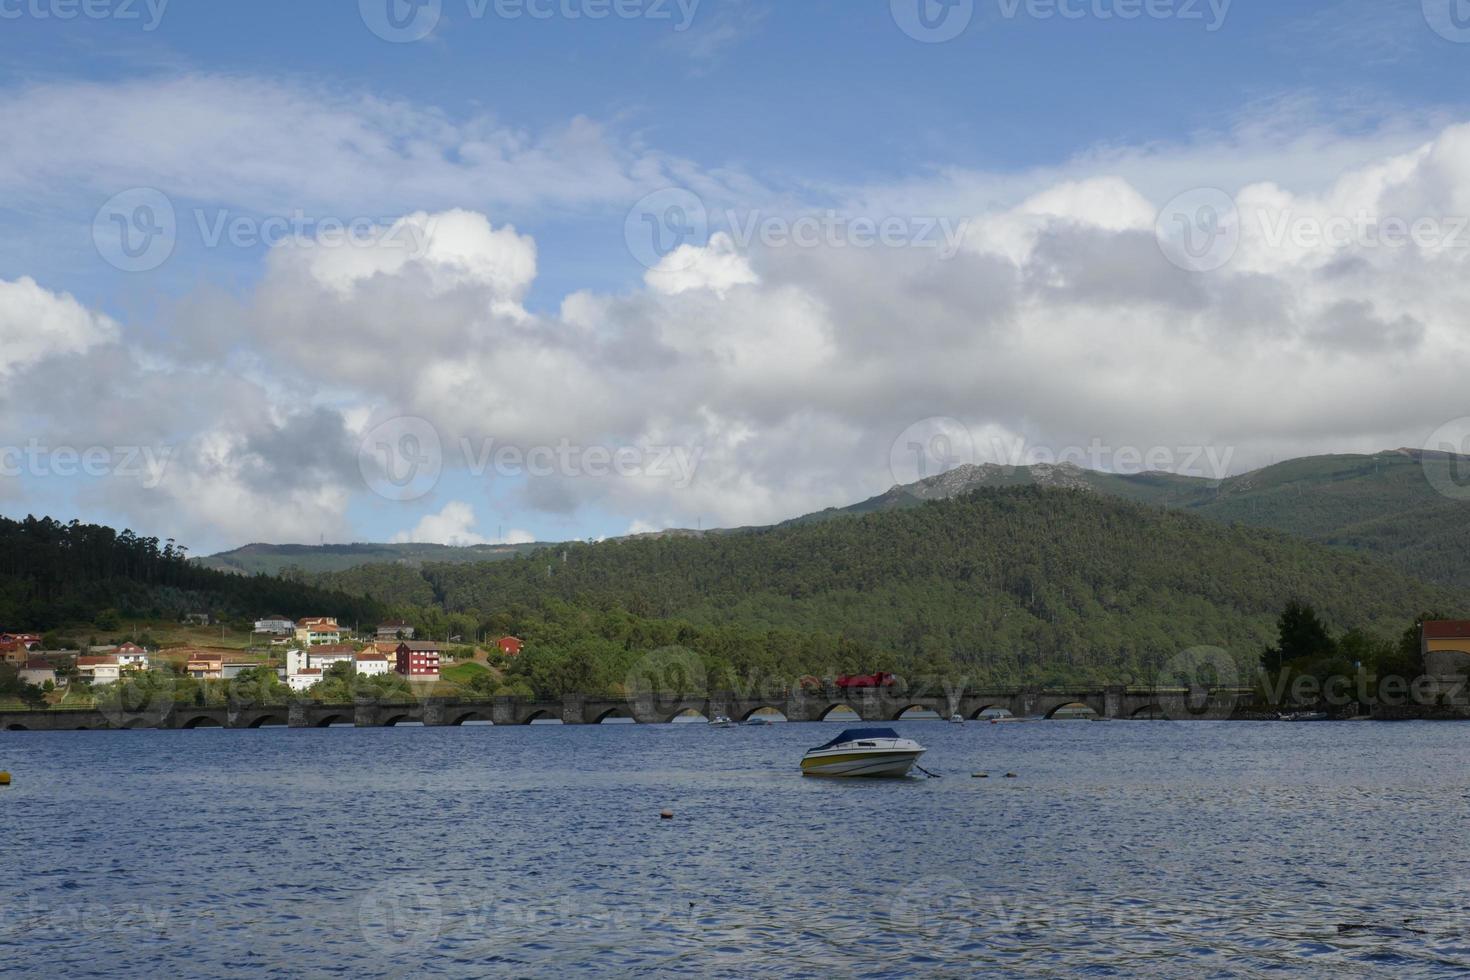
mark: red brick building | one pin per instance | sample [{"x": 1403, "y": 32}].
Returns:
[
  {"x": 418, "y": 660},
  {"x": 509, "y": 645}
]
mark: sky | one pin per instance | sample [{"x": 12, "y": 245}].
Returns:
[{"x": 473, "y": 271}]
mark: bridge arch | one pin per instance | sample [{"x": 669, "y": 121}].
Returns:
[
  {"x": 468, "y": 716},
  {"x": 396, "y": 720},
  {"x": 841, "y": 709},
  {"x": 765, "y": 711},
  {"x": 273, "y": 721},
  {"x": 693, "y": 716},
  {"x": 621, "y": 714},
  {"x": 541, "y": 714},
  {"x": 16, "y": 727},
  {"x": 1149, "y": 712},
  {"x": 1071, "y": 706},
  {"x": 979, "y": 713},
  {"x": 898, "y": 715},
  {"x": 199, "y": 721},
  {"x": 331, "y": 720}
]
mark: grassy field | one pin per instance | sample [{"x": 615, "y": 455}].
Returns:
[{"x": 465, "y": 672}]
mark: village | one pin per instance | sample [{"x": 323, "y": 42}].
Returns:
[{"x": 300, "y": 653}]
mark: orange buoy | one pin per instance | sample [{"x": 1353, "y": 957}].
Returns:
[{"x": 666, "y": 815}]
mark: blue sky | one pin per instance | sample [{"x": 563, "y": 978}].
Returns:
[{"x": 558, "y": 126}]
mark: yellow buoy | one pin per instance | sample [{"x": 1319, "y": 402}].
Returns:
[{"x": 4, "y": 779}]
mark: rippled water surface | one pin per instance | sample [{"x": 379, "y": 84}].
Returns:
[{"x": 1144, "y": 848}]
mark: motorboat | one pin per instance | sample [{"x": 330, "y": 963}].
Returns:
[
  {"x": 721, "y": 721},
  {"x": 759, "y": 720},
  {"x": 863, "y": 752},
  {"x": 956, "y": 719}
]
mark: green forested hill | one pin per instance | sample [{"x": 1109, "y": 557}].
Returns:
[
  {"x": 1022, "y": 581},
  {"x": 1383, "y": 504},
  {"x": 54, "y": 574},
  {"x": 276, "y": 559}
]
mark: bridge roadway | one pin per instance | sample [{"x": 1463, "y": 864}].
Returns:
[{"x": 802, "y": 706}]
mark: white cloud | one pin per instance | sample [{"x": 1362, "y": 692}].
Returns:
[
  {"x": 455, "y": 526},
  {"x": 36, "y": 323},
  {"x": 789, "y": 371},
  {"x": 716, "y": 266}
]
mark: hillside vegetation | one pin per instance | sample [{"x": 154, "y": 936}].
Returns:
[
  {"x": 296, "y": 559},
  {"x": 1383, "y": 505},
  {"x": 1021, "y": 583},
  {"x": 54, "y": 574}
]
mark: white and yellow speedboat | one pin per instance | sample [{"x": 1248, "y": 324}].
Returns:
[{"x": 863, "y": 752}]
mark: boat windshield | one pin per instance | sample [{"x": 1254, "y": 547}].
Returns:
[{"x": 853, "y": 734}]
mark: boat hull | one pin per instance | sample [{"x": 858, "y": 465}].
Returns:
[{"x": 884, "y": 763}]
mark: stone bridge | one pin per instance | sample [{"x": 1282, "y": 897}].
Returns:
[{"x": 800, "y": 706}]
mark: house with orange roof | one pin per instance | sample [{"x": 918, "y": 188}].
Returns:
[{"x": 205, "y": 666}]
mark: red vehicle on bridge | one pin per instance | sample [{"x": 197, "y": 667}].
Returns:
[{"x": 848, "y": 682}]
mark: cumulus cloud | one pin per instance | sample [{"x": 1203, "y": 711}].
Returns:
[
  {"x": 36, "y": 323},
  {"x": 786, "y": 375},
  {"x": 455, "y": 525}
]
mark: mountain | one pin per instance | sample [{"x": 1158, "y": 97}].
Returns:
[
  {"x": 1385, "y": 505},
  {"x": 273, "y": 559},
  {"x": 1018, "y": 581}
]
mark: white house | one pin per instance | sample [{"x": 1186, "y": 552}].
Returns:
[
  {"x": 130, "y": 656},
  {"x": 370, "y": 664},
  {"x": 316, "y": 631},
  {"x": 99, "y": 670},
  {"x": 37, "y": 671},
  {"x": 303, "y": 679},
  {"x": 326, "y": 656}
]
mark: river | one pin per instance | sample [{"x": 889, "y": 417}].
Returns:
[{"x": 1120, "y": 848}]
